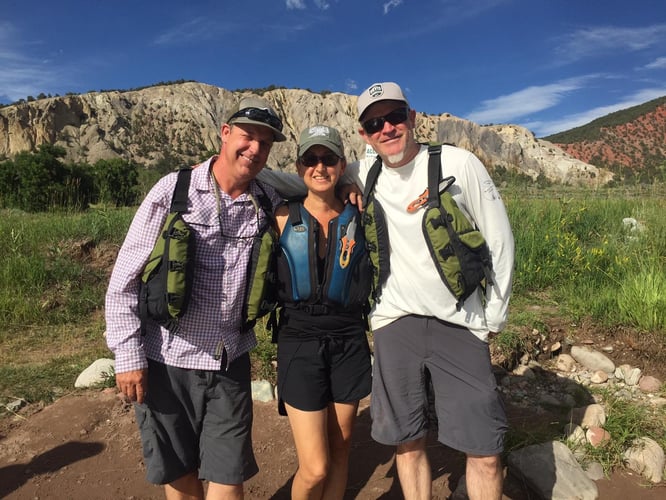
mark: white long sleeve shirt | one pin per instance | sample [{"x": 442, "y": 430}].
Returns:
[{"x": 414, "y": 285}]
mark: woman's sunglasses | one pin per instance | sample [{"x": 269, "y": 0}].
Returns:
[{"x": 312, "y": 160}]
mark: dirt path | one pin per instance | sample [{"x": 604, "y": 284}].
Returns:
[{"x": 86, "y": 446}]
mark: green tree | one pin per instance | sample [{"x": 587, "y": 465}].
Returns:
[
  {"x": 42, "y": 181},
  {"x": 78, "y": 188},
  {"x": 40, "y": 177},
  {"x": 9, "y": 184},
  {"x": 117, "y": 180}
]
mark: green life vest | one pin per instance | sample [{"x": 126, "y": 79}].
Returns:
[
  {"x": 458, "y": 250},
  {"x": 166, "y": 281},
  {"x": 261, "y": 292}
]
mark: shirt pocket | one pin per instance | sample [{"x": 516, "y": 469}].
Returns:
[{"x": 208, "y": 249}]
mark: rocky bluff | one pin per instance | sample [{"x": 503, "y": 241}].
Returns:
[{"x": 180, "y": 123}]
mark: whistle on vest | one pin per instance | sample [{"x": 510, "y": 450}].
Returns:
[
  {"x": 419, "y": 202},
  {"x": 347, "y": 243}
]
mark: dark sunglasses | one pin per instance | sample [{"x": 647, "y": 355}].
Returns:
[
  {"x": 328, "y": 160},
  {"x": 259, "y": 115},
  {"x": 395, "y": 117}
]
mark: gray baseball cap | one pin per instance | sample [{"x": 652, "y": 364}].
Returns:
[
  {"x": 258, "y": 112},
  {"x": 321, "y": 135},
  {"x": 383, "y": 91}
]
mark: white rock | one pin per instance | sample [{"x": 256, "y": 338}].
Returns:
[
  {"x": 262, "y": 390},
  {"x": 630, "y": 375},
  {"x": 565, "y": 363},
  {"x": 599, "y": 377},
  {"x": 595, "y": 471},
  {"x": 97, "y": 373},
  {"x": 575, "y": 434},
  {"x": 553, "y": 472},
  {"x": 588, "y": 416},
  {"x": 647, "y": 458},
  {"x": 524, "y": 371},
  {"x": 591, "y": 359}
]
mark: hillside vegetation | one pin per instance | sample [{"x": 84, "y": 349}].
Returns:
[{"x": 630, "y": 142}]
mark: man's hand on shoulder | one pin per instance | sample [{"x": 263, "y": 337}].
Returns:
[{"x": 352, "y": 193}]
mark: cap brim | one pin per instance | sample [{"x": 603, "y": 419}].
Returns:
[{"x": 277, "y": 135}]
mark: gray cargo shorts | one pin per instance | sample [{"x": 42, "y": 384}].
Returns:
[{"x": 409, "y": 353}]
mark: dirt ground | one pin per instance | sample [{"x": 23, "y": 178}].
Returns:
[{"x": 86, "y": 446}]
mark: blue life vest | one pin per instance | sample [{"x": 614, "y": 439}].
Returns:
[{"x": 343, "y": 281}]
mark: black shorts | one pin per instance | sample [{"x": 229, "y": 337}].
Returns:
[
  {"x": 469, "y": 408},
  {"x": 316, "y": 370}
]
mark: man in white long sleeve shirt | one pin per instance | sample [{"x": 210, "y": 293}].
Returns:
[{"x": 420, "y": 334}]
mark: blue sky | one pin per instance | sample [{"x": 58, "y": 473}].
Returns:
[{"x": 548, "y": 65}]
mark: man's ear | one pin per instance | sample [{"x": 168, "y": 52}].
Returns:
[
  {"x": 412, "y": 117},
  {"x": 362, "y": 133},
  {"x": 225, "y": 130}
]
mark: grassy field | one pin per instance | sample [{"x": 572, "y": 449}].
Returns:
[{"x": 572, "y": 249}]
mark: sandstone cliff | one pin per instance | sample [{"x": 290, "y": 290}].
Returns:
[
  {"x": 180, "y": 123},
  {"x": 516, "y": 148}
]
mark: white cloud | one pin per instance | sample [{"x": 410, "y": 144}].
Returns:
[
  {"x": 659, "y": 63},
  {"x": 21, "y": 76},
  {"x": 300, "y": 4},
  {"x": 506, "y": 108},
  {"x": 351, "y": 85},
  {"x": 295, "y": 4},
  {"x": 588, "y": 42},
  {"x": 391, "y": 4},
  {"x": 192, "y": 30},
  {"x": 543, "y": 128}
]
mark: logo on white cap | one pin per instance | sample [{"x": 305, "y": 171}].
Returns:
[{"x": 376, "y": 90}]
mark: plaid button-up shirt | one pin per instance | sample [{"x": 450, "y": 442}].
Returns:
[{"x": 212, "y": 322}]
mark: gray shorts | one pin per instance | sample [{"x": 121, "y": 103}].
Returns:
[
  {"x": 198, "y": 420},
  {"x": 470, "y": 411}
]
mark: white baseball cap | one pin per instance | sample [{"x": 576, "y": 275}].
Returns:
[{"x": 383, "y": 91}]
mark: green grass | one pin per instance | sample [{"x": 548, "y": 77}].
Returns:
[
  {"x": 574, "y": 259},
  {"x": 625, "y": 422},
  {"x": 578, "y": 249}
]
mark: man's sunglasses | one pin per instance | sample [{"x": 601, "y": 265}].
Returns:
[
  {"x": 312, "y": 160},
  {"x": 259, "y": 115},
  {"x": 395, "y": 117}
]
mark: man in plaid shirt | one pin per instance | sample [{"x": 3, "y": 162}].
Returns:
[{"x": 191, "y": 387}]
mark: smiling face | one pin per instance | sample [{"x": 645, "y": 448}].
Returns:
[
  {"x": 318, "y": 171},
  {"x": 245, "y": 150},
  {"x": 393, "y": 142}
]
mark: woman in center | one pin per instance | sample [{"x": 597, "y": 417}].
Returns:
[{"x": 323, "y": 284}]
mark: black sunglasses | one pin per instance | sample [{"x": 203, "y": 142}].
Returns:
[
  {"x": 259, "y": 115},
  {"x": 312, "y": 160},
  {"x": 395, "y": 117}
]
